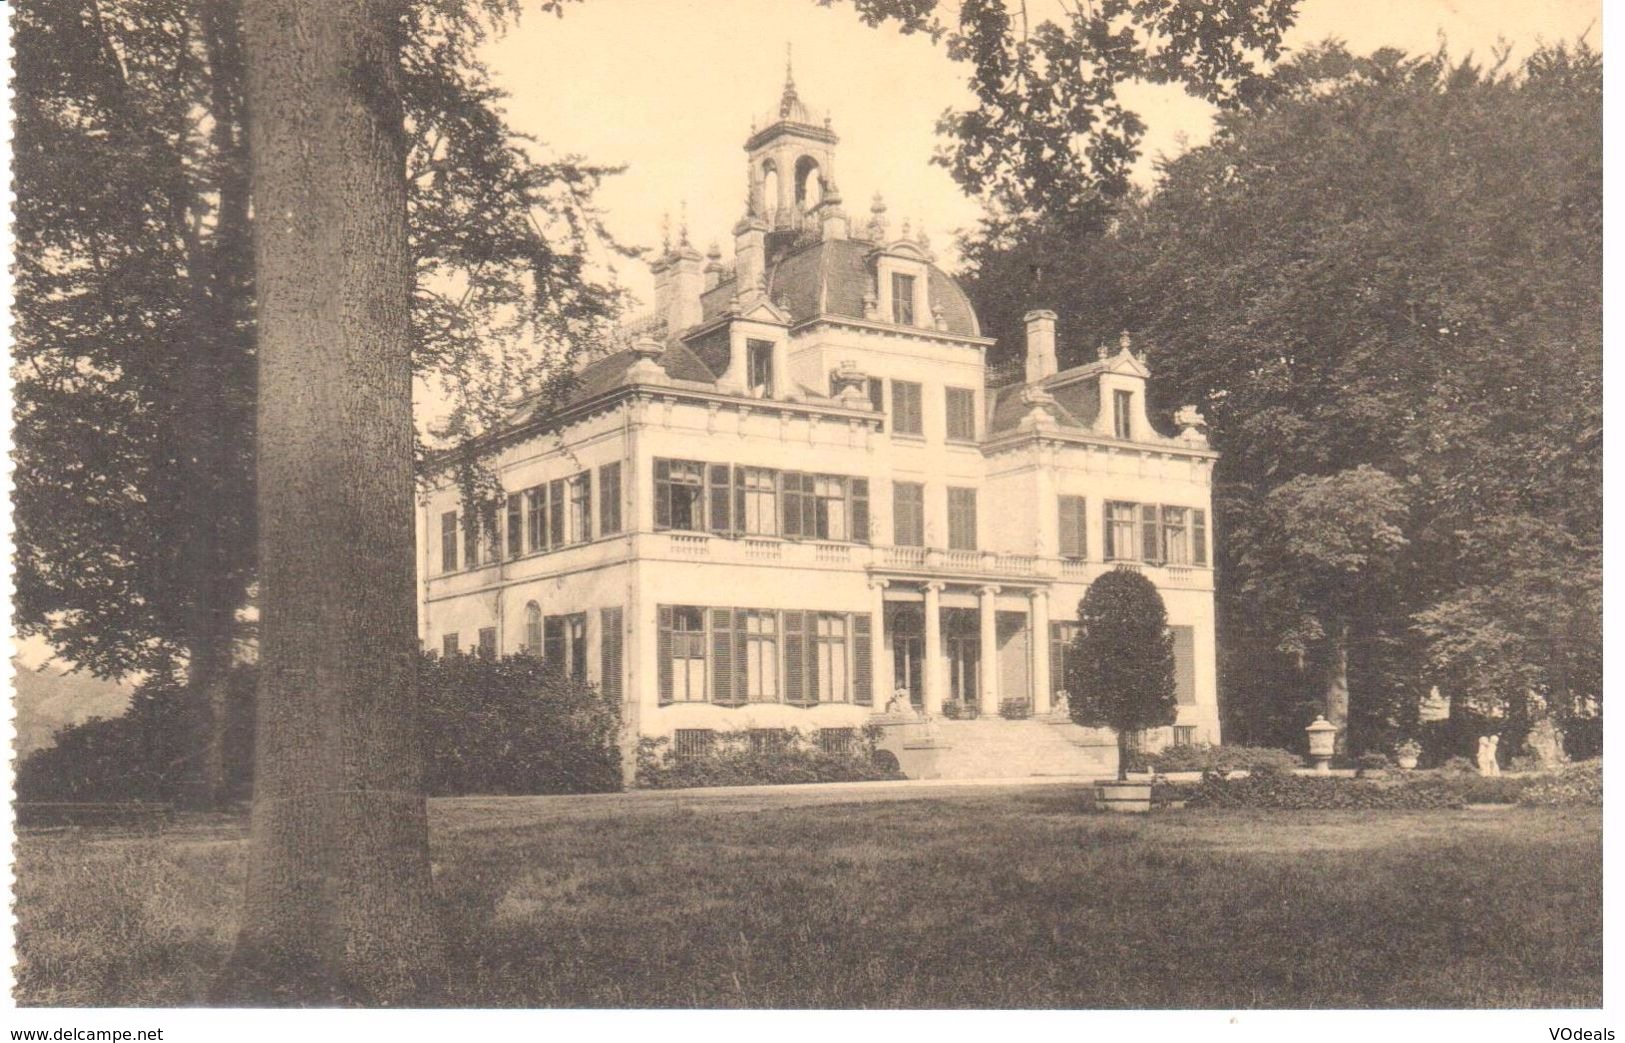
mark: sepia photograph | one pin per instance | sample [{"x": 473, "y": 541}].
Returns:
[{"x": 1086, "y": 506}]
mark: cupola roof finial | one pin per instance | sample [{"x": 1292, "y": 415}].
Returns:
[{"x": 790, "y": 105}]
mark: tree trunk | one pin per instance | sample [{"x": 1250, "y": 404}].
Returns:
[
  {"x": 1122, "y": 754},
  {"x": 338, "y": 905},
  {"x": 1337, "y": 686}
]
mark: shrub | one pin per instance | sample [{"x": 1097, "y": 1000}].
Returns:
[
  {"x": 1015, "y": 709},
  {"x": 1122, "y": 676},
  {"x": 1371, "y": 763},
  {"x": 1477, "y": 789},
  {"x": 1458, "y": 766},
  {"x": 734, "y": 760},
  {"x": 1299, "y": 792},
  {"x": 1578, "y": 785},
  {"x": 514, "y": 725},
  {"x": 959, "y": 710},
  {"x": 1224, "y": 759}
]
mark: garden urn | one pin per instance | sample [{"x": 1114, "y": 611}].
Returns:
[{"x": 1322, "y": 740}]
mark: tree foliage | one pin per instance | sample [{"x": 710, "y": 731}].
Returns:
[
  {"x": 1121, "y": 674},
  {"x": 1381, "y": 282}
]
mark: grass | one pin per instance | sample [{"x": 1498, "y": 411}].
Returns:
[{"x": 961, "y": 898}]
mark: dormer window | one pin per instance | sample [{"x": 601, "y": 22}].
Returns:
[
  {"x": 902, "y": 299},
  {"x": 1122, "y": 402},
  {"x": 759, "y": 368}
]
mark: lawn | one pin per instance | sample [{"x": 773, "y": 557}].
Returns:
[{"x": 975, "y": 897}]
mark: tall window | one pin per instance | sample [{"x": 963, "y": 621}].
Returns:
[
  {"x": 827, "y": 682},
  {"x": 756, "y": 500},
  {"x": 581, "y": 507},
  {"x": 759, "y": 366},
  {"x": 1122, "y": 401},
  {"x": 1198, "y": 537},
  {"x": 533, "y": 629},
  {"x": 761, "y": 657},
  {"x": 829, "y": 496},
  {"x": 1061, "y": 636},
  {"x": 1184, "y": 665},
  {"x": 961, "y": 403},
  {"x": 1150, "y": 534},
  {"x": 611, "y": 671},
  {"x": 902, "y": 299},
  {"x": 908, "y": 514},
  {"x": 905, "y": 404},
  {"x": 1120, "y": 532},
  {"x": 609, "y": 496},
  {"x": 536, "y": 518},
  {"x": 448, "y": 645},
  {"x": 1175, "y": 536},
  {"x": 1073, "y": 530},
  {"x": 488, "y": 643},
  {"x": 877, "y": 397},
  {"x": 556, "y": 517},
  {"x": 679, "y": 494},
  {"x": 682, "y": 654},
  {"x": 564, "y": 643},
  {"x": 961, "y": 519},
  {"x": 825, "y": 506},
  {"x": 448, "y": 542},
  {"x": 516, "y": 525}
]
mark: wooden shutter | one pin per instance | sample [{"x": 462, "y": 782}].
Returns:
[
  {"x": 516, "y": 525},
  {"x": 795, "y": 652},
  {"x": 1071, "y": 527},
  {"x": 586, "y": 508},
  {"x": 1150, "y": 534},
  {"x": 536, "y": 521},
  {"x": 663, "y": 650},
  {"x": 556, "y": 511},
  {"x": 1184, "y": 665},
  {"x": 611, "y": 675},
  {"x": 791, "y": 503},
  {"x": 1108, "y": 532},
  {"x": 739, "y": 499},
  {"x": 662, "y": 494},
  {"x": 554, "y": 646},
  {"x": 860, "y": 510},
  {"x": 862, "y": 660},
  {"x": 1198, "y": 537},
  {"x": 722, "y": 656},
  {"x": 877, "y": 398},
  {"x": 742, "y": 651},
  {"x": 721, "y": 498}
]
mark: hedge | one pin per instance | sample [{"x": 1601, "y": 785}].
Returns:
[
  {"x": 1222, "y": 759},
  {"x": 738, "y": 758}
]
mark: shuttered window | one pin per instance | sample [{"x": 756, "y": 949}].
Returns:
[
  {"x": 756, "y": 501},
  {"x": 1184, "y": 665},
  {"x": 905, "y": 404},
  {"x": 448, "y": 542},
  {"x": 679, "y": 495},
  {"x": 1120, "y": 534},
  {"x": 1176, "y": 535},
  {"x": 860, "y": 509},
  {"x": 681, "y": 647},
  {"x": 760, "y": 665},
  {"x": 961, "y": 409},
  {"x": 581, "y": 507},
  {"x": 722, "y": 658},
  {"x": 795, "y": 659},
  {"x": 721, "y": 499},
  {"x": 1061, "y": 636},
  {"x": 611, "y": 663},
  {"x": 448, "y": 645},
  {"x": 829, "y": 680},
  {"x": 908, "y": 514},
  {"x": 1073, "y": 531},
  {"x": 553, "y": 642},
  {"x": 576, "y": 630},
  {"x": 609, "y": 499},
  {"x": 1150, "y": 534},
  {"x": 863, "y": 684},
  {"x": 556, "y": 517},
  {"x": 516, "y": 525},
  {"x": 488, "y": 642},
  {"x": 961, "y": 519},
  {"x": 536, "y": 520},
  {"x": 1198, "y": 537}
]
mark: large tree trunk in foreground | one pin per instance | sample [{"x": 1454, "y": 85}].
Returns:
[{"x": 338, "y": 905}]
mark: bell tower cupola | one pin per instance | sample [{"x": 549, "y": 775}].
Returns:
[{"x": 792, "y": 169}]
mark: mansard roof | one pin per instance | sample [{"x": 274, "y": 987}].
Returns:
[{"x": 831, "y": 277}]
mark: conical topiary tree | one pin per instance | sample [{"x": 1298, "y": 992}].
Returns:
[{"x": 1121, "y": 672}]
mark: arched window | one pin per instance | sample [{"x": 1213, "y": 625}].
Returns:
[
  {"x": 533, "y": 629},
  {"x": 809, "y": 183},
  {"x": 770, "y": 189}
]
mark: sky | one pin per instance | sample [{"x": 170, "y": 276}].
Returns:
[{"x": 669, "y": 88}]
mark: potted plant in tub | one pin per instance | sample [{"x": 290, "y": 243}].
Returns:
[
  {"x": 1122, "y": 676},
  {"x": 1406, "y": 753}
]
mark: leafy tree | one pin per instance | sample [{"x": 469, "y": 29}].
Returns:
[
  {"x": 1121, "y": 672},
  {"x": 135, "y": 296}
]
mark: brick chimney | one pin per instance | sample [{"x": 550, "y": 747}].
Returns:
[
  {"x": 679, "y": 281},
  {"x": 1040, "y": 345}
]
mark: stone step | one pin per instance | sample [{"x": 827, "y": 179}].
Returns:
[{"x": 992, "y": 747}]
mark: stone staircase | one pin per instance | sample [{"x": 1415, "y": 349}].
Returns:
[{"x": 994, "y": 748}]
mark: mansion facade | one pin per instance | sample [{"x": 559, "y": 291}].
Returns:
[{"x": 798, "y": 500}]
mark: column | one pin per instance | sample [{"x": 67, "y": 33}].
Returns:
[
  {"x": 935, "y": 681},
  {"x": 880, "y": 656},
  {"x": 1038, "y": 616},
  {"x": 990, "y": 651}
]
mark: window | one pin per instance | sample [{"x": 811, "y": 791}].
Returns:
[
  {"x": 581, "y": 507},
  {"x": 759, "y": 367},
  {"x": 555, "y": 513},
  {"x": 756, "y": 500},
  {"x": 1150, "y": 534},
  {"x": 516, "y": 525},
  {"x": 448, "y": 645},
  {"x": 837, "y": 741},
  {"x": 1175, "y": 536},
  {"x": 1119, "y": 531},
  {"x": 1073, "y": 530},
  {"x": 877, "y": 397},
  {"x": 536, "y": 518},
  {"x": 1061, "y": 636},
  {"x": 829, "y": 507},
  {"x": 827, "y": 681},
  {"x": 611, "y": 671},
  {"x": 679, "y": 494},
  {"x": 905, "y": 404},
  {"x": 766, "y": 740},
  {"x": 533, "y": 629},
  {"x": 609, "y": 497},
  {"x": 961, "y": 403},
  {"x": 691, "y": 744},
  {"x": 902, "y": 299},
  {"x": 1198, "y": 537},
  {"x": 1184, "y": 665},
  {"x": 961, "y": 519},
  {"x": 1122, "y": 402},
  {"x": 488, "y": 642},
  {"x": 825, "y": 506},
  {"x": 908, "y": 514},
  {"x": 1184, "y": 735},
  {"x": 760, "y": 669},
  {"x": 682, "y": 654},
  {"x": 448, "y": 542},
  {"x": 721, "y": 499},
  {"x": 564, "y": 643}
]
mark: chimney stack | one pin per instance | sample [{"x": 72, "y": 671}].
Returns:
[
  {"x": 1040, "y": 345},
  {"x": 679, "y": 281}
]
